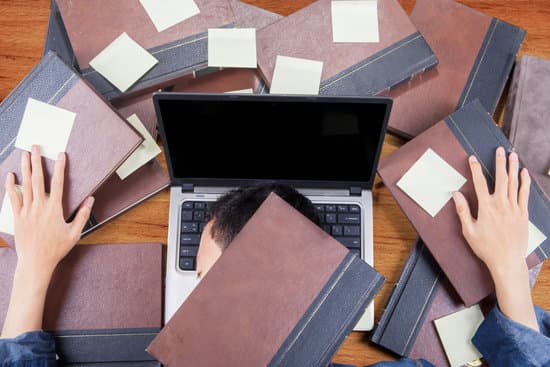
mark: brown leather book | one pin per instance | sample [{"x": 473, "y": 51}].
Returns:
[
  {"x": 284, "y": 293},
  {"x": 181, "y": 49},
  {"x": 98, "y": 287},
  {"x": 348, "y": 68},
  {"x": 99, "y": 142},
  {"x": 476, "y": 53},
  {"x": 527, "y": 114},
  {"x": 468, "y": 131}
]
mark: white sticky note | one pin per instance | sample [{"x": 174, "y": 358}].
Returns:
[
  {"x": 296, "y": 76},
  {"x": 232, "y": 47},
  {"x": 47, "y": 126},
  {"x": 430, "y": 182},
  {"x": 242, "y": 91},
  {"x": 123, "y": 62},
  {"x": 456, "y": 332},
  {"x": 167, "y": 13},
  {"x": 7, "y": 221},
  {"x": 355, "y": 21},
  {"x": 535, "y": 238},
  {"x": 143, "y": 154}
]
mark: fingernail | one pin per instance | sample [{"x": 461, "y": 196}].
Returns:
[
  {"x": 473, "y": 159},
  {"x": 455, "y": 195},
  {"x": 89, "y": 202},
  {"x": 35, "y": 149},
  {"x": 514, "y": 156},
  {"x": 500, "y": 151}
]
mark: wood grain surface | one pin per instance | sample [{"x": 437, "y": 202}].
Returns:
[{"x": 22, "y": 31}]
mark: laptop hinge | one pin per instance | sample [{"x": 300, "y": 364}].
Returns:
[
  {"x": 355, "y": 191},
  {"x": 187, "y": 188}
]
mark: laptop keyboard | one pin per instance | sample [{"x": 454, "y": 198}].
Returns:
[{"x": 342, "y": 221}]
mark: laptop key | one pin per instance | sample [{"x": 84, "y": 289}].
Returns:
[
  {"x": 189, "y": 251},
  {"x": 350, "y": 242},
  {"x": 352, "y": 230},
  {"x": 349, "y": 218},
  {"x": 186, "y": 215},
  {"x": 187, "y": 263},
  {"x": 342, "y": 208},
  {"x": 337, "y": 230},
  {"x": 330, "y": 208},
  {"x": 354, "y": 209},
  {"x": 319, "y": 207},
  {"x": 187, "y": 227},
  {"x": 330, "y": 218},
  {"x": 190, "y": 239},
  {"x": 187, "y": 205},
  {"x": 200, "y": 206},
  {"x": 198, "y": 216}
]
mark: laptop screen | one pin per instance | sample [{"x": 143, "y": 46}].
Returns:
[{"x": 212, "y": 139}]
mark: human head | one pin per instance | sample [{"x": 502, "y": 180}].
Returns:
[{"x": 231, "y": 212}]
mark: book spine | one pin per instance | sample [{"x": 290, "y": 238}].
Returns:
[
  {"x": 479, "y": 135},
  {"x": 331, "y": 316},
  {"x": 493, "y": 65},
  {"x": 57, "y": 39},
  {"x": 101, "y": 346},
  {"x": 409, "y": 302},
  {"x": 176, "y": 59},
  {"x": 384, "y": 70}
]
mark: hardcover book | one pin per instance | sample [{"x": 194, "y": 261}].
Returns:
[
  {"x": 301, "y": 306},
  {"x": 476, "y": 53}
]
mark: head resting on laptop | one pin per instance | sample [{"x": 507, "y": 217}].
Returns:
[{"x": 229, "y": 214}]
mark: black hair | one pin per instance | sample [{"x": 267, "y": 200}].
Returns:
[{"x": 232, "y": 210}]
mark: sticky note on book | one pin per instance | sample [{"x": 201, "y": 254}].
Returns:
[
  {"x": 232, "y": 47},
  {"x": 355, "y": 21},
  {"x": 143, "y": 154},
  {"x": 430, "y": 182},
  {"x": 167, "y": 13},
  {"x": 535, "y": 238},
  {"x": 296, "y": 76},
  {"x": 456, "y": 332},
  {"x": 123, "y": 62},
  {"x": 7, "y": 222},
  {"x": 47, "y": 126}
]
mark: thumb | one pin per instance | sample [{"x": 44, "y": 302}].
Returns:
[
  {"x": 82, "y": 216},
  {"x": 463, "y": 211}
]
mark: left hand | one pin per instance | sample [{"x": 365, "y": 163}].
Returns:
[{"x": 42, "y": 236}]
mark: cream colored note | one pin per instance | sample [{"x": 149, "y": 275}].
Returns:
[
  {"x": 167, "y": 13},
  {"x": 355, "y": 21},
  {"x": 7, "y": 221},
  {"x": 296, "y": 76},
  {"x": 456, "y": 332},
  {"x": 430, "y": 182},
  {"x": 47, "y": 126},
  {"x": 123, "y": 62},
  {"x": 143, "y": 154},
  {"x": 242, "y": 91},
  {"x": 535, "y": 238},
  {"x": 232, "y": 47}
]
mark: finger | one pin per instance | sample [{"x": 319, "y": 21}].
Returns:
[
  {"x": 38, "y": 190},
  {"x": 13, "y": 194},
  {"x": 501, "y": 177},
  {"x": 480, "y": 183},
  {"x": 513, "y": 167},
  {"x": 524, "y": 191},
  {"x": 463, "y": 211},
  {"x": 82, "y": 216},
  {"x": 58, "y": 179},
  {"x": 27, "y": 182}
]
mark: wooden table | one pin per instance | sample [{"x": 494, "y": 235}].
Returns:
[{"x": 22, "y": 29}]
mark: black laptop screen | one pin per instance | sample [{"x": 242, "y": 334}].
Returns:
[{"x": 262, "y": 138}]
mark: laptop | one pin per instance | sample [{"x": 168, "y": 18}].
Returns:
[{"x": 325, "y": 147}]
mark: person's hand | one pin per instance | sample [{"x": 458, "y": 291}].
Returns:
[
  {"x": 499, "y": 234},
  {"x": 42, "y": 237}
]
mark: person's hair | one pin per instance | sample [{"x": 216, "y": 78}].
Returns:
[{"x": 232, "y": 210}]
